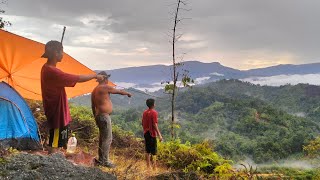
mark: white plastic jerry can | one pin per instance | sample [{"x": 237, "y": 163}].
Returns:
[{"x": 72, "y": 144}]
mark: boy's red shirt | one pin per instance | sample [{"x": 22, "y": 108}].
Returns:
[
  {"x": 149, "y": 118},
  {"x": 54, "y": 97}
]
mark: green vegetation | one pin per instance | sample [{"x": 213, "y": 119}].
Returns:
[
  {"x": 300, "y": 100},
  {"x": 246, "y": 127},
  {"x": 189, "y": 157},
  {"x": 313, "y": 148},
  {"x": 239, "y": 125},
  {"x": 240, "y": 120},
  {"x": 83, "y": 124},
  {"x": 291, "y": 173},
  {"x": 234, "y": 128},
  {"x": 197, "y": 157}
]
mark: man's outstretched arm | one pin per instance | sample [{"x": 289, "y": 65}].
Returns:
[
  {"x": 85, "y": 78},
  {"x": 117, "y": 91}
]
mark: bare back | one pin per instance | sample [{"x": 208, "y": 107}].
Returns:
[{"x": 101, "y": 102}]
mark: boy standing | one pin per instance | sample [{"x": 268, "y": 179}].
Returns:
[
  {"x": 151, "y": 130},
  {"x": 55, "y": 102}
]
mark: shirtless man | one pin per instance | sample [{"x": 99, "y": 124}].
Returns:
[{"x": 102, "y": 108}]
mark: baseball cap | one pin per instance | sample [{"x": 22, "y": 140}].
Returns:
[
  {"x": 103, "y": 73},
  {"x": 50, "y": 47}
]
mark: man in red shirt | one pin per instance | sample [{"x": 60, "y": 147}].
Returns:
[
  {"x": 151, "y": 130},
  {"x": 55, "y": 102}
]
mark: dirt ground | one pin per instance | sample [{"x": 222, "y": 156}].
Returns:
[{"x": 36, "y": 166}]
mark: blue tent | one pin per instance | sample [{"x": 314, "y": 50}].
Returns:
[{"x": 18, "y": 128}]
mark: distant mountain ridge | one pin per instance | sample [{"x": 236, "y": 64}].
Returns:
[
  {"x": 287, "y": 69},
  {"x": 146, "y": 75},
  {"x": 158, "y": 73}
]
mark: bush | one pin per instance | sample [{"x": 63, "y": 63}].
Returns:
[
  {"x": 198, "y": 157},
  {"x": 126, "y": 143},
  {"x": 36, "y": 108},
  {"x": 313, "y": 148},
  {"x": 83, "y": 124}
]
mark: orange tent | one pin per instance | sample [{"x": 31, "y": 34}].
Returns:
[{"x": 20, "y": 66}]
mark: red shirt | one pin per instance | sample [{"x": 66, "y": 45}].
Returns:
[
  {"x": 149, "y": 118},
  {"x": 54, "y": 97}
]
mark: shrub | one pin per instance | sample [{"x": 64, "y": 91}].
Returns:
[
  {"x": 198, "y": 157},
  {"x": 313, "y": 148},
  {"x": 83, "y": 124}
]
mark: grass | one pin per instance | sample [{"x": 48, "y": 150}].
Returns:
[
  {"x": 127, "y": 166},
  {"x": 132, "y": 168}
]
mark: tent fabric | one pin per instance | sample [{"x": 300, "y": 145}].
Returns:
[
  {"x": 18, "y": 127},
  {"x": 20, "y": 67}
]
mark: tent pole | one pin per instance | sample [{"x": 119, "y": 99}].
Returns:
[{"x": 64, "y": 29}]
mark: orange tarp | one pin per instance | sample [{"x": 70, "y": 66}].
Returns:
[{"x": 20, "y": 66}]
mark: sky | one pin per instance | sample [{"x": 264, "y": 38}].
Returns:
[{"x": 241, "y": 34}]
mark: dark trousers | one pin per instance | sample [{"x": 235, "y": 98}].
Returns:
[{"x": 58, "y": 137}]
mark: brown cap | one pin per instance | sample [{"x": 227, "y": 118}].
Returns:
[
  {"x": 50, "y": 47},
  {"x": 104, "y": 74}
]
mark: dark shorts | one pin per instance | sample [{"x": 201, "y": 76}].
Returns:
[
  {"x": 58, "y": 137},
  {"x": 150, "y": 143}
]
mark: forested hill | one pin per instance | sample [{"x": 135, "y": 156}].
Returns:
[
  {"x": 301, "y": 100},
  {"x": 243, "y": 120},
  {"x": 240, "y": 124}
]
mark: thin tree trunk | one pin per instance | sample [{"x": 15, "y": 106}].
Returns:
[{"x": 174, "y": 38}]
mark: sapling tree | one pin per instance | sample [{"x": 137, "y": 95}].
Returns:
[{"x": 171, "y": 86}]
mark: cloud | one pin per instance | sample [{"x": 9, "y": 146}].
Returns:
[
  {"x": 268, "y": 81},
  {"x": 286, "y": 163},
  {"x": 124, "y": 84},
  {"x": 285, "y": 79},
  {"x": 216, "y": 74},
  {"x": 242, "y": 34},
  {"x": 201, "y": 80}
]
